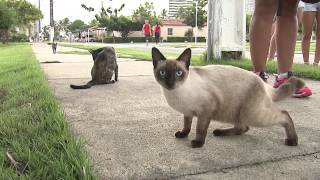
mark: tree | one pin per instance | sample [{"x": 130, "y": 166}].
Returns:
[
  {"x": 63, "y": 24},
  {"x": 93, "y": 23},
  {"x": 17, "y": 13},
  {"x": 7, "y": 21},
  {"x": 90, "y": 9},
  {"x": 164, "y": 14},
  {"x": 46, "y": 31},
  {"x": 77, "y": 25},
  {"x": 109, "y": 18},
  {"x": 25, "y": 11},
  {"x": 146, "y": 12},
  {"x": 125, "y": 25},
  {"x": 188, "y": 15}
]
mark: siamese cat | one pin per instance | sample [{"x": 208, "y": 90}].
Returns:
[
  {"x": 105, "y": 65},
  {"x": 223, "y": 93}
]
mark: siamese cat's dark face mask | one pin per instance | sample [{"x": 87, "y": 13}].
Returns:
[{"x": 171, "y": 73}]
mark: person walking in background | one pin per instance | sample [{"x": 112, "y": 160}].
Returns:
[
  {"x": 146, "y": 29},
  {"x": 260, "y": 35},
  {"x": 310, "y": 14},
  {"x": 157, "y": 31}
]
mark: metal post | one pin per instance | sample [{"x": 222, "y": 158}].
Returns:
[
  {"x": 210, "y": 31},
  {"x": 214, "y": 29},
  {"x": 51, "y": 22},
  {"x": 39, "y": 19},
  {"x": 39, "y": 24},
  {"x": 196, "y": 32}
]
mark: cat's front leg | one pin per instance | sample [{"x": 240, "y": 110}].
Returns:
[
  {"x": 202, "y": 127},
  {"x": 186, "y": 127}
]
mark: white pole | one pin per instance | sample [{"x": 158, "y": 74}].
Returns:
[
  {"x": 88, "y": 35},
  {"x": 210, "y": 31},
  {"x": 196, "y": 32}
]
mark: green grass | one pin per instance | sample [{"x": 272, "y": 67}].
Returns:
[
  {"x": 297, "y": 48},
  {"x": 32, "y": 127},
  {"x": 184, "y": 45},
  {"x": 139, "y": 54},
  {"x": 300, "y": 70},
  {"x": 312, "y": 47}
]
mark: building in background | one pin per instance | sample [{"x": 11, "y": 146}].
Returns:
[
  {"x": 176, "y": 28},
  {"x": 175, "y": 5}
]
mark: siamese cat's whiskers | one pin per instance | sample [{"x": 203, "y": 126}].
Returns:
[{"x": 223, "y": 93}]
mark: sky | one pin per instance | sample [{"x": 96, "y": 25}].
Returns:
[{"x": 72, "y": 8}]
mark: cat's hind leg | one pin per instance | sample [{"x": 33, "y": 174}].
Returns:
[
  {"x": 292, "y": 138},
  {"x": 271, "y": 117},
  {"x": 236, "y": 130}
]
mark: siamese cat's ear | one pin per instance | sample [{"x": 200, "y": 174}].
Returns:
[
  {"x": 157, "y": 56},
  {"x": 185, "y": 57}
]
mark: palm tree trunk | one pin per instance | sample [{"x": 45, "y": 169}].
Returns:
[{"x": 51, "y": 22}]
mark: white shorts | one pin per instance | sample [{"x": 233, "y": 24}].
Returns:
[
  {"x": 312, "y": 7},
  {"x": 301, "y": 4}
]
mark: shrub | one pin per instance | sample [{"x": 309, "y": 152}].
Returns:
[
  {"x": 127, "y": 40},
  {"x": 183, "y": 39},
  {"x": 19, "y": 38}
]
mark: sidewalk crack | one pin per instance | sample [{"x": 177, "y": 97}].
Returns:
[{"x": 226, "y": 169}]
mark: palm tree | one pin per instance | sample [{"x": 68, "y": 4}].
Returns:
[{"x": 51, "y": 22}]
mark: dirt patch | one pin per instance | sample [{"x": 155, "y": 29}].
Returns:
[{"x": 3, "y": 94}]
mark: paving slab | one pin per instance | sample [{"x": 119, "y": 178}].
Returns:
[{"x": 128, "y": 130}]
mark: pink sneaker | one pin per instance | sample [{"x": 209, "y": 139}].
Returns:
[
  {"x": 300, "y": 93},
  {"x": 278, "y": 82},
  {"x": 303, "y": 92}
]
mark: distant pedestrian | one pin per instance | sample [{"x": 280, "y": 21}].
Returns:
[
  {"x": 310, "y": 17},
  {"x": 146, "y": 29},
  {"x": 157, "y": 32}
]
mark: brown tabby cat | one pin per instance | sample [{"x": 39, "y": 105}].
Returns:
[
  {"x": 105, "y": 64},
  {"x": 223, "y": 93}
]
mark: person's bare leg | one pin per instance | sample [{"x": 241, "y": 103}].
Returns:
[
  {"x": 273, "y": 45},
  {"x": 307, "y": 23},
  {"x": 286, "y": 35},
  {"x": 317, "y": 54},
  {"x": 299, "y": 15},
  {"x": 260, "y": 32}
]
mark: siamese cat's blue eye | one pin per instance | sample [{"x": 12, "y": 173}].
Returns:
[
  {"x": 179, "y": 73},
  {"x": 162, "y": 73}
]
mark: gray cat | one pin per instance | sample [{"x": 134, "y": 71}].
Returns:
[
  {"x": 105, "y": 65},
  {"x": 223, "y": 93},
  {"x": 54, "y": 47}
]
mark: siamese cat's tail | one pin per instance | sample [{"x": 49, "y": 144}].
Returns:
[
  {"x": 86, "y": 86},
  {"x": 287, "y": 89}
]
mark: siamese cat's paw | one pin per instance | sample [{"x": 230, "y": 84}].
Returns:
[
  {"x": 197, "y": 144},
  {"x": 218, "y": 132},
  {"x": 291, "y": 142},
  {"x": 181, "y": 134}
]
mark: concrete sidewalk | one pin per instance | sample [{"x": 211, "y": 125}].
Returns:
[{"x": 129, "y": 129}]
